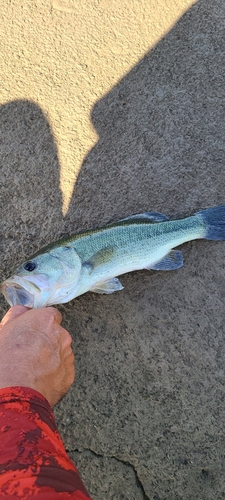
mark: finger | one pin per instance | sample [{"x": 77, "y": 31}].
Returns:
[
  {"x": 65, "y": 338},
  {"x": 68, "y": 356},
  {"x": 13, "y": 313},
  {"x": 68, "y": 353},
  {"x": 71, "y": 376}
]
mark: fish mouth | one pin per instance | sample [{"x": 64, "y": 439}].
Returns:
[
  {"x": 15, "y": 294},
  {"x": 26, "y": 291}
]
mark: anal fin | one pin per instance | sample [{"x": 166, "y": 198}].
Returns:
[
  {"x": 173, "y": 260},
  {"x": 108, "y": 286}
]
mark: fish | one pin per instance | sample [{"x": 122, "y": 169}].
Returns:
[{"x": 92, "y": 260}]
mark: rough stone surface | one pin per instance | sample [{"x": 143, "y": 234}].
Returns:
[
  {"x": 145, "y": 417},
  {"x": 116, "y": 479}
]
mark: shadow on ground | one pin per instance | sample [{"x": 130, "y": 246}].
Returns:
[{"x": 145, "y": 418}]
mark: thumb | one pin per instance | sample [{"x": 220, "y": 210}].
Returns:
[{"x": 13, "y": 313}]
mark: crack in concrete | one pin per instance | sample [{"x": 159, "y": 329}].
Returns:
[{"x": 124, "y": 462}]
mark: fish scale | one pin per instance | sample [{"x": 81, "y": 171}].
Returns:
[{"x": 92, "y": 260}]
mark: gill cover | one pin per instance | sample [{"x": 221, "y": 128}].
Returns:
[
  {"x": 70, "y": 261},
  {"x": 63, "y": 273}
]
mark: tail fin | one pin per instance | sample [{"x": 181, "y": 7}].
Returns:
[{"x": 214, "y": 220}]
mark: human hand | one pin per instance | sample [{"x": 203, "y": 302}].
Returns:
[{"x": 35, "y": 352}]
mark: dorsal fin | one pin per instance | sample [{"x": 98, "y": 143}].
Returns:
[{"x": 146, "y": 217}]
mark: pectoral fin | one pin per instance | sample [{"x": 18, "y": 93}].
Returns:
[
  {"x": 109, "y": 286},
  {"x": 99, "y": 258},
  {"x": 146, "y": 216},
  {"x": 173, "y": 260}
]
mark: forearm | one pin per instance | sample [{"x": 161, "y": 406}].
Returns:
[{"x": 33, "y": 460}]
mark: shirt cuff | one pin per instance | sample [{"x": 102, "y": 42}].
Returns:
[{"x": 22, "y": 394}]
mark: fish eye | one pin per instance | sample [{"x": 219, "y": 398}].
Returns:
[{"x": 29, "y": 266}]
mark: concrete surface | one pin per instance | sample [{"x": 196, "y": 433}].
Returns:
[{"x": 145, "y": 417}]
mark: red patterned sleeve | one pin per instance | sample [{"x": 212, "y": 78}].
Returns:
[{"x": 33, "y": 460}]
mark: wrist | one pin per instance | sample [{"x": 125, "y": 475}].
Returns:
[{"x": 10, "y": 379}]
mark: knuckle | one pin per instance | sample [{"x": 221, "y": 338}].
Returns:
[
  {"x": 66, "y": 338},
  {"x": 54, "y": 315}
]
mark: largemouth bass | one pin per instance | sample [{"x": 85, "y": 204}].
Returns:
[{"x": 90, "y": 261}]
